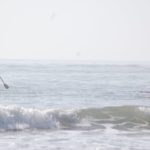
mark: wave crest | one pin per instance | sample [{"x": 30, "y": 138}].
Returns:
[
  {"x": 18, "y": 118},
  {"x": 119, "y": 117}
]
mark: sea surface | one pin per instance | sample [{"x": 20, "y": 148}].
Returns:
[{"x": 74, "y": 106}]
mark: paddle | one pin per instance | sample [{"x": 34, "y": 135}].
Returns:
[{"x": 5, "y": 85}]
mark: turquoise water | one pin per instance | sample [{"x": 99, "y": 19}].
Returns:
[{"x": 55, "y": 105}]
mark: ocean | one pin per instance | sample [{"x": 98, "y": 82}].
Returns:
[{"x": 70, "y": 106}]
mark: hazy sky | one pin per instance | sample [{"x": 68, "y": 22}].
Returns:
[{"x": 75, "y": 29}]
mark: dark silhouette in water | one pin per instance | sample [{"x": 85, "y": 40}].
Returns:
[{"x": 5, "y": 85}]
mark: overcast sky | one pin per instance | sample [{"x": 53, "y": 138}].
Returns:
[{"x": 75, "y": 29}]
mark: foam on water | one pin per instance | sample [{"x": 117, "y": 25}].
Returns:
[
  {"x": 18, "y": 118},
  {"x": 119, "y": 117}
]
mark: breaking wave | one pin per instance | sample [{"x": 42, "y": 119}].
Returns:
[{"x": 118, "y": 117}]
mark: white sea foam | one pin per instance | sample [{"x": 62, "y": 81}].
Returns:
[{"x": 16, "y": 118}]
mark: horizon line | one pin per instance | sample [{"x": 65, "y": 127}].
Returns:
[{"x": 77, "y": 61}]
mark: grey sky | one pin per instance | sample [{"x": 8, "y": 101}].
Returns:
[{"x": 75, "y": 29}]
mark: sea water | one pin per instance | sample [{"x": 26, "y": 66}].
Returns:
[{"x": 70, "y": 106}]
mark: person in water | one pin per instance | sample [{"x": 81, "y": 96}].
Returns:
[{"x": 5, "y": 85}]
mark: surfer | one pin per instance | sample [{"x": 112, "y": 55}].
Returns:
[{"x": 5, "y": 85}]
